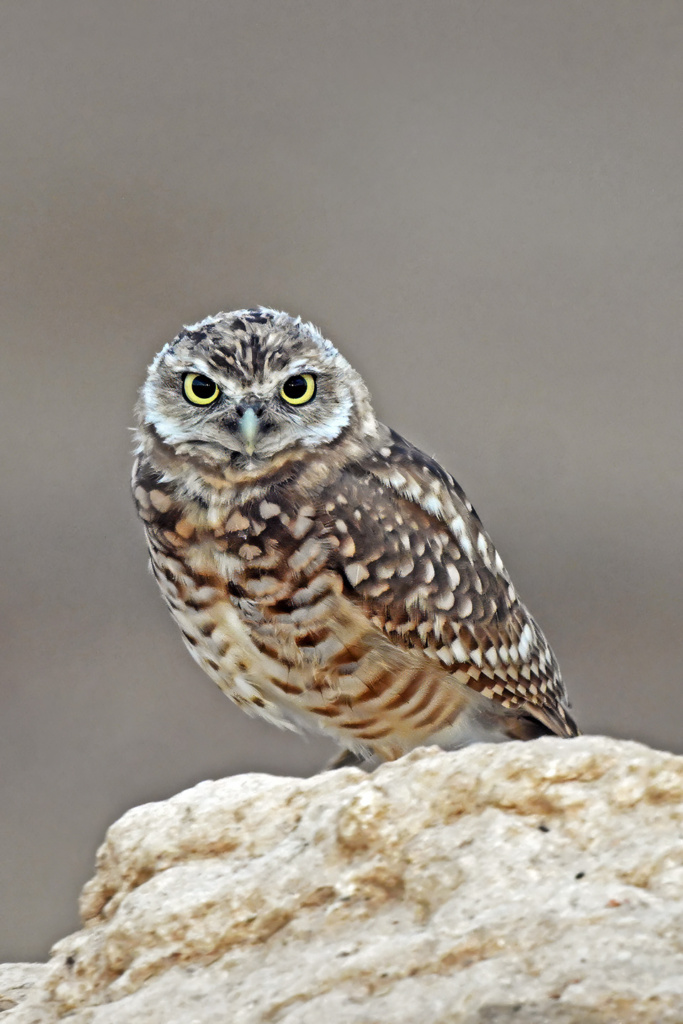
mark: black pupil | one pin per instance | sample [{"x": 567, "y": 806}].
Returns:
[
  {"x": 295, "y": 387},
  {"x": 203, "y": 387}
]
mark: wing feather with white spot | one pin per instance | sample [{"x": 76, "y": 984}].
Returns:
[{"x": 415, "y": 556}]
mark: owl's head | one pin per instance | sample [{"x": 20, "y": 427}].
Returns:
[{"x": 242, "y": 389}]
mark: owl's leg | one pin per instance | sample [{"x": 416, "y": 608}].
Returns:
[{"x": 350, "y": 759}]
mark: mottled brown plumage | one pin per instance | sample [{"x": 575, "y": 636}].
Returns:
[{"x": 324, "y": 571}]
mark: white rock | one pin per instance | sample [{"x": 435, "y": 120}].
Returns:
[
  {"x": 521, "y": 883},
  {"x": 18, "y": 982}
]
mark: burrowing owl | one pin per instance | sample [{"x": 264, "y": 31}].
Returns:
[{"x": 323, "y": 571}]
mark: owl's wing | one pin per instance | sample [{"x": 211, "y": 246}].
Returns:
[{"x": 416, "y": 558}]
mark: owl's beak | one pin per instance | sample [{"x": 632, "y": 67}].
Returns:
[{"x": 248, "y": 428}]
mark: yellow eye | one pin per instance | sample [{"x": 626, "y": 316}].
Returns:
[
  {"x": 298, "y": 390},
  {"x": 200, "y": 390}
]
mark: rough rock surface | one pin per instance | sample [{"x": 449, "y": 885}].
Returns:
[
  {"x": 525, "y": 883},
  {"x": 17, "y": 981}
]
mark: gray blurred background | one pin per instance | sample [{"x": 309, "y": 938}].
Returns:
[{"x": 479, "y": 201}]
